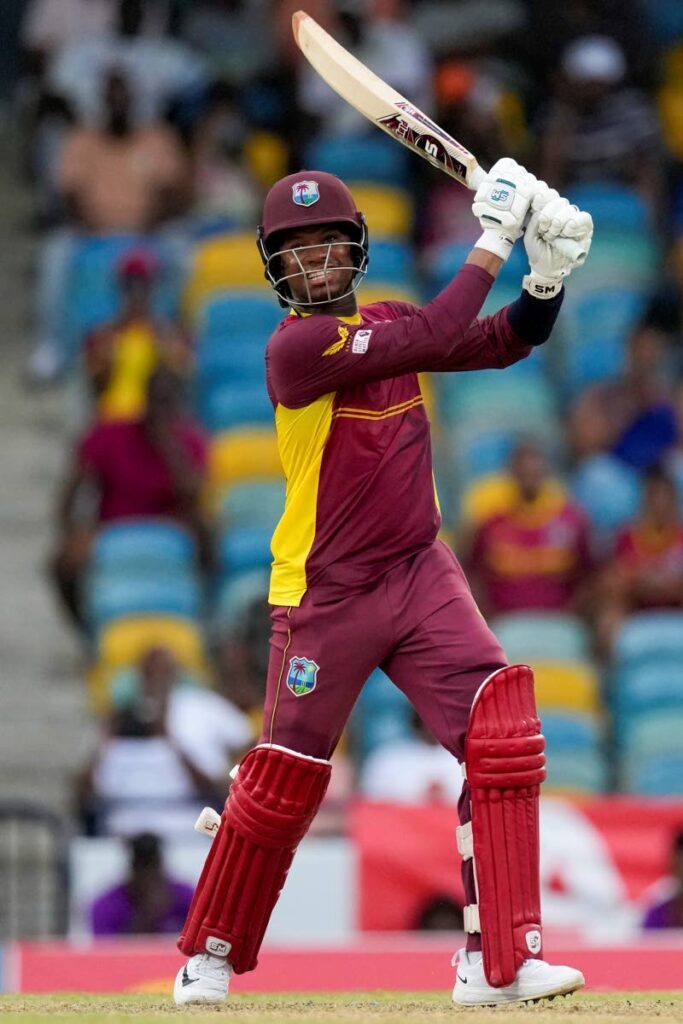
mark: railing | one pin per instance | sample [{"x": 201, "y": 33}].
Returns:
[{"x": 34, "y": 872}]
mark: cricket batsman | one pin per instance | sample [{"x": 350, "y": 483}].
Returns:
[{"x": 359, "y": 578}]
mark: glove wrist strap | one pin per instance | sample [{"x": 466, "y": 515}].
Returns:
[
  {"x": 494, "y": 241},
  {"x": 540, "y": 287}
]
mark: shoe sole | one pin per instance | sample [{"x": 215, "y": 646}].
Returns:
[{"x": 564, "y": 990}]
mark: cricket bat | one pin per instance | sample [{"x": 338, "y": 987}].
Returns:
[{"x": 386, "y": 108}]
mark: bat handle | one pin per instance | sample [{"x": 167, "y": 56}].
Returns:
[{"x": 567, "y": 246}]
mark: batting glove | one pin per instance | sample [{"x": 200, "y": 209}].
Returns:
[
  {"x": 501, "y": 204},
  {"x": 546, "y": 240}
]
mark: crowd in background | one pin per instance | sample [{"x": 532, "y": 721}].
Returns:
[{"x": 153, "y": 130}]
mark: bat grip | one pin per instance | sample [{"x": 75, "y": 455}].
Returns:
[{"x": 567, "y": 246}]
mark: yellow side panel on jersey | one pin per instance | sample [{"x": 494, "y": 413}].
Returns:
[{"x": 302, "y": 435}]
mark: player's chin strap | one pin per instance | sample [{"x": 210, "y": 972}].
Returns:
[{"x": 505, "y": 765}]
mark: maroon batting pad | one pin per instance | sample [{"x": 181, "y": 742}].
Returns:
[
  {"x": 505, "y": 766},
  {"x": 268, "y": 811}
]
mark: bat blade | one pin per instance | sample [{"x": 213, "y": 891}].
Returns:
[
  {"x": 393, "y": 113},
  {"x": 382, "y": 104}
]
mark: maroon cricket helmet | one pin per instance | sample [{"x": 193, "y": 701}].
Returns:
[{"x": 308, "y": 199}]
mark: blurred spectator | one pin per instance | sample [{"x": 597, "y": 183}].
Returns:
[
  {"x": 669, "y": 913},
  {"x": 142, "y": 773},
  {"x": 631, "y": 416},
  {"x": 380, "y": 34},
  {"x": 48, "y": 28},
  {"x": 440, "y": 914},
  {"x": 121, "y": 355},
  {"x": 233, "y": 36},
  {"x": 243, "y": 659},
  {"x": 161, "y": 70},
  {"x": 148, "y": 902},
  {"x": 598, "y": 129},
  {"x": 646, "y": 570},
  {"x": 223, "y": 185},
  {"x": 535, "y": 553},
  {"x": 414, "y": 770},
  {"x": 207, "y": 726},
  {"x": 151, "y": 466},
  {"x": 116, "y": 178}
]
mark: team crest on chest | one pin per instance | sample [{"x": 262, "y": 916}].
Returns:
[
  {"x": 302, "y": 676},
  {"x": 305, "y": 193}
]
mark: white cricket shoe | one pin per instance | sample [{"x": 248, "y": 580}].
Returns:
[
  {"x": 204, "y": 979},
  {"x": 535, "y": 979}
]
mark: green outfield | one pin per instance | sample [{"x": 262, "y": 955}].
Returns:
[{"x": 379, "y": 1007}]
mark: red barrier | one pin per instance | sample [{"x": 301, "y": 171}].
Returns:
[{"x": 400, "y": 963}]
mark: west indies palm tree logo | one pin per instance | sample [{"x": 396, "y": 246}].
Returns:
[
  {"x": 305, "y": 193},
  {"x": 302, "y": 676}
]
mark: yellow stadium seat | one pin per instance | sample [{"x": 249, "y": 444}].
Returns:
[
  {"x": 388, "y": 211},
  {"x": 243, "y": 455},
  {"x": 123, "y": 642},
  {"x": 567, "y": 686},
  {"x": 266, "y": 155},
  {"x": 224, "y": 261},
  {"x": 368, "y": 293}
]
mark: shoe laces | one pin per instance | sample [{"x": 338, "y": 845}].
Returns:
[{"x": 215, "y": 966}]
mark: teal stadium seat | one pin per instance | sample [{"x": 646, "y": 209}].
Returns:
[
  {"x": 596, "y": 326},
  {"x": 244, "y": 548},
  {"x": 120, "y": 595},
  {"x": 366, "y": 158},
  {"x": 648, "y": 637},
  {"x": 254, "y": 503},
  {"x": 609, "y": 491},
  {"x": 143, "y": 543},
  {"x": 391, "y": 261},
  {"x": 231, "y": 404},
  {"x": 612, "y": 206},
  {"x": 542, "y": 636},
  {"x": 382, "y": 714}
]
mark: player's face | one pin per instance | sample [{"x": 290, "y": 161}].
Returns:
[{"x": 314, "y": 257}]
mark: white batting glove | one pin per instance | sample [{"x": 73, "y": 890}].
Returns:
[
  {"x": 546, "y": 239},
  {"x": 501, "y": 204}
]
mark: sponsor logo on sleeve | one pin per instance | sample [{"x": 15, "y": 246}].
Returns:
[
  {"x": 302, "y": 676},
  {"x": 361, "y": 340},
  {"x": 337, "y": 346}
]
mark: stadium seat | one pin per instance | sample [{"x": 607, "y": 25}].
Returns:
[
  {"x": 228, "y": 405},
  {"x": 566, "y": 685},
  {"x": 122, "y": 642},
  {"x": 608, "y": 490},
  {"x": 243, "y": 454},
  {"x": 388, "y": 211},
  {"x": 595, "y": 329},
  {"x": 612, "y": 206},
  {"x": 113, "y": 595},
  {"x": 219, "y": 263},
  {"x": 231, "y": 314},
  {"x": 647, "y": 685},
  {"x": 254, "y": 503},
  {"x": 576, "y": 773},
  {"x": 244, "y": 548},
  {"x": 648, "y": 637},
  {"x": 143, "y": 544},
  {"x": 554, "y": 636},
  {"x": 655, "y": 776},
  {"x": 390, "y": 261},
  {"x": 235, "y": 595},
  {"x": 382, "y": 714},
  {"x": 519, "y": 399},
  {"x": 367, "y": 158}
]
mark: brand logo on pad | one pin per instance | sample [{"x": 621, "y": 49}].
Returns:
[
  {"x": 305, "y": 193},
  {"x": 533, "y": 941},
  {"x": 219, "y": 947},
  {"x": 302, "y": 676}
]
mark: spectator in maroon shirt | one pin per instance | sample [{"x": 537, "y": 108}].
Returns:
[
  {"x": 535, "y": 554},
  {"x": 151, "y": 466},
  {"x": 148, "y": 902},
  {"x": 669, "y": 912}
]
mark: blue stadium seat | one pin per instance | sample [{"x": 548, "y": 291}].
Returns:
[
  {"x": 254, "y": 503},
  {"x": 142, "y": 543},
  {"x": 647, "y": 685},
  {"x": 233, "y": 404},
  {"x": 608, "y": 490},
  {"x": 542, "y": 636},
  {"x": 596, "y": 326},
  {"x": 390, "y": 261},
  {"x": 370, "y": 158},
  {"x": 244, "y": 548},
  {"x": 612, "y": 206},
  {"x": 648, "y": 637},
  {"x": 231, "y": 314},
  {"x": 112, "y": 596},
  {"x": 230, "y": 361},
  {"x": 655, "y": 776},
  {"x": 235, "y": 595},
  {"x": 382, "y": 714}
]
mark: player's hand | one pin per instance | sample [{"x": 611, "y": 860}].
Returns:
[
  {"x": 554, "y": 223},
  {"x": 501, "y": 204}
]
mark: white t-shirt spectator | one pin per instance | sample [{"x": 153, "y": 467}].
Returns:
[
  {"x": 209, "y": 729},
  {"x": 411, "y": 772}
]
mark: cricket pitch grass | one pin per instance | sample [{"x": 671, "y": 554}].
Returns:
[{"x": 338, "y": 1008}]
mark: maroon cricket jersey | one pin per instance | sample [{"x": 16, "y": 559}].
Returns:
[{"x": 354, "y": 435}]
